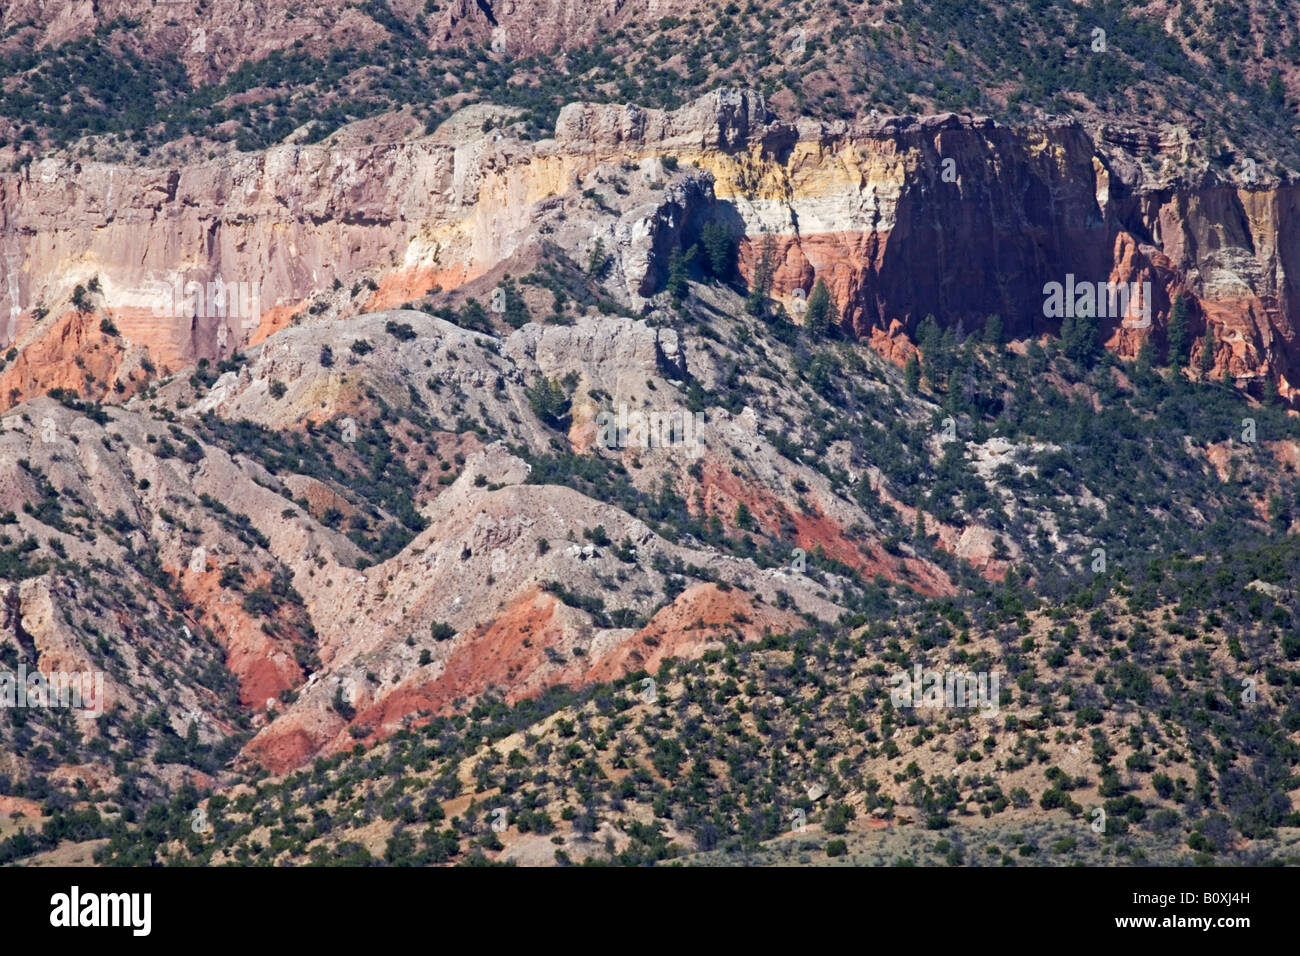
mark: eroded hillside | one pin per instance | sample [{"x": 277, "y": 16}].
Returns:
[
  {"x": 400, "y": 519},
  {"x": 501, "y": 474}
]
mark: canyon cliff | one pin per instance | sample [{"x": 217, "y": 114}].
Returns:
[{"x": 957, "y": 217}]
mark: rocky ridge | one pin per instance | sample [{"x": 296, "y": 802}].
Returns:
[{"x": 957, "y": 217}]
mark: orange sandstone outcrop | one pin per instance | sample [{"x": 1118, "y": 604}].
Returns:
[
  {"x": 526, "y": 649},
  {"x": 892, "y": 344}
]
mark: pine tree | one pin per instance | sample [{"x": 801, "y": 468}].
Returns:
[
  {"x": 719, "y": 250},
  {"x": 1145, "y": 360},
  {"x": 1207, "y": 353},
  {"x": 937, "y": 362},
  {"x": 1177, "y": 333},
  {"x": 912, "y": 373},
  {"x": 677, "y": 272},
  {"x": 597, "y": 259},
  {"x": 993, "y": 330},
  {"x": 821, "y": 314},
  {"x": 516, "y": 313},
  {"x": 1276, "y": 89},
  {"x": 756, "y": 301},
  {"x": 1079, "y": 339}
]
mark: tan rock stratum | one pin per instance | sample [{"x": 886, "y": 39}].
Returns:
[{"x": 952, "y": 216}]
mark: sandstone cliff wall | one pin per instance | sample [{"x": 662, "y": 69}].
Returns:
[{"x": 956, "y": 217}]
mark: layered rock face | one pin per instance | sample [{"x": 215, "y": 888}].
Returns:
[
  {"x": 194, "y": 262},
  {"x": 964, "y": 219},
  {"x": 956, "y": 217}
]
